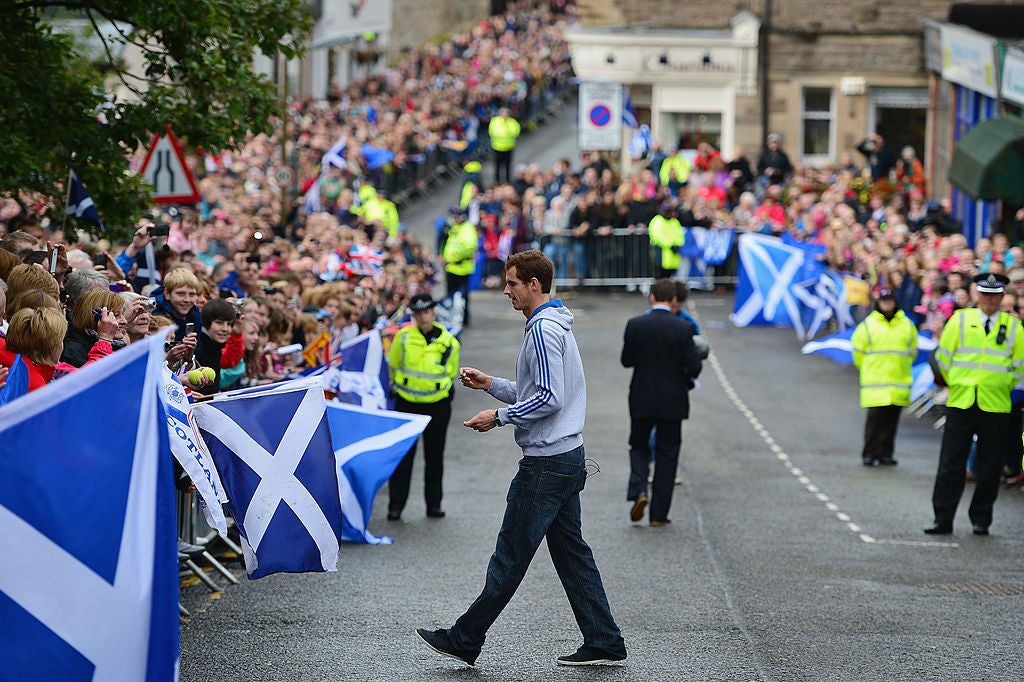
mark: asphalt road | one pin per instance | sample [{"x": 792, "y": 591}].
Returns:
[{"x": 787, "y": 559}]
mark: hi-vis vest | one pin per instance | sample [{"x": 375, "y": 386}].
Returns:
[
  {"x": 883, "y": 351},
  {"x": 980, "y": 368},
  {"x": 503, "y": 131},
  {"x": 666, "y": 233},
  {"x": 460, "y": 249},
  {"x": 681, "y": 167},
  {"x": 422, "y": 372}
]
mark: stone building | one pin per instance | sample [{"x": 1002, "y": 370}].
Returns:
[{"x": 822, "y": 73}]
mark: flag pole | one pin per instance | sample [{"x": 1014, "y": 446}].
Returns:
[{"x": 67, "y": 195}]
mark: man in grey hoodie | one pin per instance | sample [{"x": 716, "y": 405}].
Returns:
[{"x": 547, "y": 404}]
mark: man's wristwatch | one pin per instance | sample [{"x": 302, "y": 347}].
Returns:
[{"x": 497, "y": 422}]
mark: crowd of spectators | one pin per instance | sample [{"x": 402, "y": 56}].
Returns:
[{"x": 249, "y": 270}]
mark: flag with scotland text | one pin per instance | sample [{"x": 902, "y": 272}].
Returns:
[
  {"x": 89, "y": 577},
  {"x": 368, "y": 445},
  {"x": 272, "y": 448}
]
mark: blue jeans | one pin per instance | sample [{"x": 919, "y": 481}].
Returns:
[{"x": 543, "y": 502}]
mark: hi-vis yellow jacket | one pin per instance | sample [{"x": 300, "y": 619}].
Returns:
[
  {"x": 666, "y": 233},
  {"x": 423, "y": 372},
  {"x": 460, "y": 250},
  {"x": 978, "y": 368},
  {"x": 883, "y": 351}
]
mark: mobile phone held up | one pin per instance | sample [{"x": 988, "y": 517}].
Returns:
[
  {"x": 53, "y": 261},
  {"x": 190, "y": 328}
]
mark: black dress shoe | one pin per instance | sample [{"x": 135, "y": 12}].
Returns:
[
  {"x": 981, "y": 530},
  {"x": 868, "y": 462},
  {"x": 435, "y": 513},
  {"x": 888, "y": 462},
  {"x": 939, "y": 529},
  {"x": 394, "y": 516}
]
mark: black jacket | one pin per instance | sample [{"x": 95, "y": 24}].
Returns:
[
  {"x": 659, "y": 347},
  {"x": 208, "y": 355}
]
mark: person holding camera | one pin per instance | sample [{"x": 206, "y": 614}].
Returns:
[
  {"x": 880, "y": 158},
  {"x": 139, "y": 257}
]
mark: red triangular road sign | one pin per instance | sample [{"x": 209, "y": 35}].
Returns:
[{"x": 165, "y": 170}]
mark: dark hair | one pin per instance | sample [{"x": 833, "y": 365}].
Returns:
[
  {"x": 682, "y": 291},
  {"x": 663, "y": 291},
  {"x": 530, "y": 264},
  {"x": 218, "y": 309}
]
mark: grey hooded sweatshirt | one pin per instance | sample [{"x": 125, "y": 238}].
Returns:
[{"x": 548, "y": 399}]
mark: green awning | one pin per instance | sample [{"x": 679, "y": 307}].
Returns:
[{"x": 988, "y": 164}]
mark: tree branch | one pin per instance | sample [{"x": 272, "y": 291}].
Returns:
[{"x": 110, "y": 57}]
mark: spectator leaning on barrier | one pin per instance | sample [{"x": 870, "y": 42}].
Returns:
[{"x": 884, "y": 347}]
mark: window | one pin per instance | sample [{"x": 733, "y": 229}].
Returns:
[{"x": 817, "y": 117}]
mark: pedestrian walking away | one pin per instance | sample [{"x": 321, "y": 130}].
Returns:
[
  {"x": 546, "y": 405},
  {"x": 981, "y": 357},
  {"x": 423, "y": 361},
  {"x": 884, "y": 348},
  {"x": 659, "y": 347}
]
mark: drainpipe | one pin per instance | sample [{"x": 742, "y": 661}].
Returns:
[{"x": 766, "y": 30}]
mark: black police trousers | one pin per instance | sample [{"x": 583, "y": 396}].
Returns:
[{"x": 433, "y": 438}]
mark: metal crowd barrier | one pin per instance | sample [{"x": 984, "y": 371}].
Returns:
[{"x": 623, "y": 258}]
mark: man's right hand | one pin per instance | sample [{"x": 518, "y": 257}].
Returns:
[{"x": 474, "y": 378}]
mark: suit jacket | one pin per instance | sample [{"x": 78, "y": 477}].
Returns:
[{"x": 659, "y": 347}]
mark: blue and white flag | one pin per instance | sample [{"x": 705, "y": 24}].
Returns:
[
  {"x": 311, "y": 202},
  {"x": 368, "y": 445},
  {"x": 89, "y": 571},
  {"x": 362, "y": 377},
  {"x": 839, "y": 348},
  {"x": 190, "y": 451},
  {"x": 628, "y": 112},
  {"x": 273, "y": 450},
  {"x": 451, "y": 311},
  {"x": 718, "y": 245},
  {"x": 782, "y": 285},
  {"x": 16, "y": 384},
  {"x": 335, "y": 156},
  {"x": 692, "y": 268},
  {"x": 80, "y": 203}
]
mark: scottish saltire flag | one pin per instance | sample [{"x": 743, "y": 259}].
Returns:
[
  {"x": 779, "y": 284},
  {"x": 923, "y": 380},
  {"x": 89, "y": 571},
  {"x": 335, "y": 156},
  {"x": 272, "y": 447},
  {"x": 692, "y": 268},
  {"x": 768, "y": 279},
  {"x": 839, "y": 348},
  {"x": 450, "y": 312},
  {"x": 368, "y": 445},
  {"x": 362, "y": 377},
  {"x": 190, "y": 451},
  {"x": 822, "y": 295},
  {"x": 16, "y": 384},
  {"x": 311, "y": 199},
  {"x": 628, "y": 112},
  {"x": 366, "y": 260},
  {"x": 718, "y": 245},
  {"x": 80, "y": 203}
]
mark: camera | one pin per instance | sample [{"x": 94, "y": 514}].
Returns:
[
  {"x": 269, "y": 291},
  {"x": 159, "y": 230},
  {"x": 150, "y": 304},
  {"x": 100, "y": 259}
]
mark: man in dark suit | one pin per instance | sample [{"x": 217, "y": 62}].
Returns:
[{"x": 659, "y": 347}]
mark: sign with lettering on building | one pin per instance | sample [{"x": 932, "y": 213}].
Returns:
[
  {"x": 969, "y": 59},
  {"x": 600, "y": 116}
]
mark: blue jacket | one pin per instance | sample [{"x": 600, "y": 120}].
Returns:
[{"x": 163, "y": 309}]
